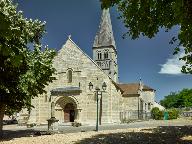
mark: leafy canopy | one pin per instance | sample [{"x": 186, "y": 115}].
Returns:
[
  {"x": 145, "y": 17},
  {"x": 179, "y": 99},
  {"x": 24, "y": 71}
]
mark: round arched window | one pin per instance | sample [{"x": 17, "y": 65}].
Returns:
[{"x": 69, "y": 76}]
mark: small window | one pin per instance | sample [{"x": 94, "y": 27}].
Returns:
[
  {"x": 69, "y": 76},
  {"x": 149, "y": 106},
  {"x": 99, "y": 55},
  {"x": 99, "y": 64},
  {"x": 106, "y": 55}
]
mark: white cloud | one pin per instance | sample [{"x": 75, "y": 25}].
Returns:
[{"x": 173, "y": 65}]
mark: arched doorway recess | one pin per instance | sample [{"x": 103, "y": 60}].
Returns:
[{"x": 67, "y": 109}]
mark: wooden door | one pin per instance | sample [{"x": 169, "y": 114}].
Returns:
[
  {"x": 69, "y": 113},
  {"x": 66, "y": 115},
  {"x": 72, "y": 115}
]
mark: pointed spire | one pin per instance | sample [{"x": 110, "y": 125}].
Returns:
[{"x": 104, "y": 36}]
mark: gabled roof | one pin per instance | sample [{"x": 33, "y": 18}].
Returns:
[
  {"x": 104, "y": 36},
  {"x": 70, "y": 41},
  {"x": 73, "y": 43},
  {"x": 133, "y": 88}
]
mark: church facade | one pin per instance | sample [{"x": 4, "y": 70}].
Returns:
[{"x": 81, "y": 80}]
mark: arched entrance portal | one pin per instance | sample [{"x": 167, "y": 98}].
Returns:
[
  {"x": 69, "y": 112},
  {"x": 67, "y": 109}
]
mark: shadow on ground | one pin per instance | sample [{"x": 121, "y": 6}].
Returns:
[
  {"x": 9, "y": 134},
  {"x": 160, "y": 135}
]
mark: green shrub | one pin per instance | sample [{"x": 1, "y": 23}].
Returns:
[
  {"x": 159, "y": 115},
  {"x": 156, "y": 113},
  {"x": 173, "y": 114}
]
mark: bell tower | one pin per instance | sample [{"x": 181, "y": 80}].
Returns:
[{"x": 104, "y": 48}]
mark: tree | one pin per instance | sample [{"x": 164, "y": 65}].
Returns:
[
  {"x": 186, "y": 97},
  {"x": 145, "y": 17},
  {"x": 182, "y": 98},
  {"x": 170, "y": 101},
  {"x": 24, "y": 71}
]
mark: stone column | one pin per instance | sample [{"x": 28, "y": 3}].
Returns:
[
  {"x": 78, "y": 116},
  {"x": 52, "y": 109},
  {"x": 52, "y": 122}
]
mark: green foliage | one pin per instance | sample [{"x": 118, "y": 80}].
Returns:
[
  {"x": 170, "y": 101},
  {"x": 24, "y": 72},
  {"x": 173, "y": 114},
  {"x": 179, "y": 99},
  {"x": 156, "y": 113},
  {"x": 146, "y": 17}
]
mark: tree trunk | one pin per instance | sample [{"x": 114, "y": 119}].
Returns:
[{"x": 2, "y": 112}]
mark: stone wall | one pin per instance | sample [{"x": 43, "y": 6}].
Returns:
[
  {"x": 129, "y": 108},
  {"x": 130, "y": 103},
  {"x": 148, "y": 98}
]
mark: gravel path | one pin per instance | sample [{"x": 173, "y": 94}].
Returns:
[
  {"x": 69, "y": 138},
  {"x": 173, "y": 131}
]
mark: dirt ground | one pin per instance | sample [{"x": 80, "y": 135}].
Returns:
[{"x": 157, "y": 135}]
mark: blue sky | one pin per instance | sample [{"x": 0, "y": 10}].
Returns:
[{"x": 150, "y": 59}]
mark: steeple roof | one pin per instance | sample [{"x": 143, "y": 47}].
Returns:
[{"x": 104, "y": 36}]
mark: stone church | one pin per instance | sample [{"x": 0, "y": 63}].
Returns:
[{"x": 81, "y": 81}]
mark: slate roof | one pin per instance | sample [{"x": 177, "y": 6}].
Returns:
[{"x": 104, "y": 36}]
